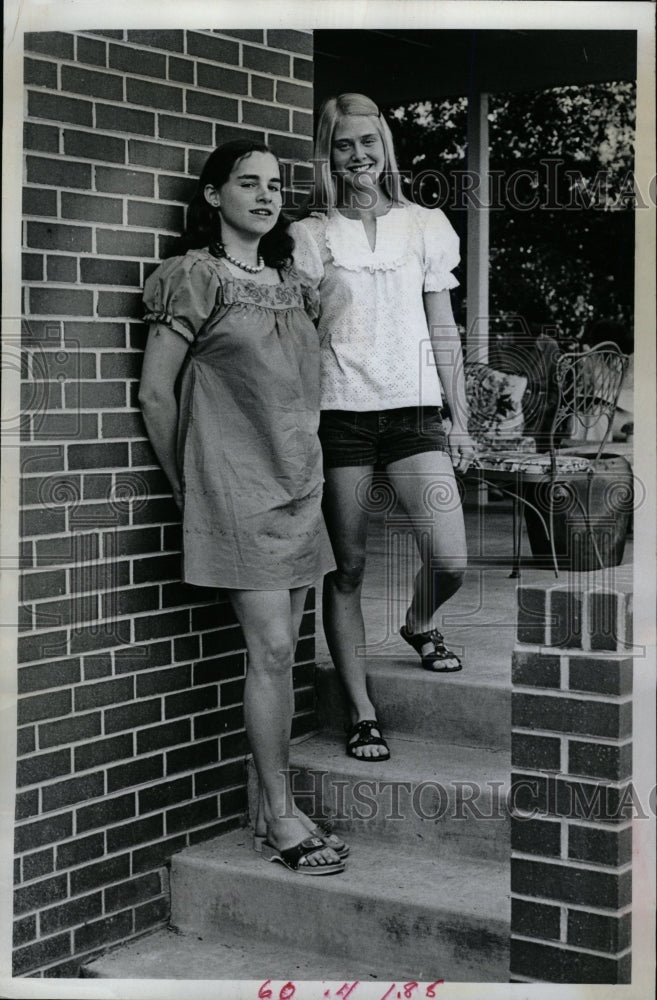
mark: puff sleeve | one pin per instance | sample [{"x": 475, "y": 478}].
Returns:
[
  {"x": 307, "y": 263},
  {"x": 441, "y": 251},
  {"x": 182, "y": 293}
]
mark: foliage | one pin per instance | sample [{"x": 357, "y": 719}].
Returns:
[{"x": 561, "y": 220}]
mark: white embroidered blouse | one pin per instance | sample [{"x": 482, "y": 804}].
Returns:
[{"x": 375, "y": 348}]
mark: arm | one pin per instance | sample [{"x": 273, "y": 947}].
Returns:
[
  {"x": 165, "y": 353},
  {"x": 448, "y": 355}
]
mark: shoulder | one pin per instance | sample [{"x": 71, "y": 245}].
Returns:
[
  {"x": 440, "y": 239},
  {"x": 190, "y": 283},
  {"x": 430, "y": 219},
  {"x": 182, "y": 265},
  {"x": 183, "y": 292},
  {"x": 309, "y": 253},
  {"x": 439, "y": 247},
  {"x": 196, "y": 266},
  {"x": 312, "y": 225}
]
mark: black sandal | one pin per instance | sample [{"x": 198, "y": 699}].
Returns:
[
  {"x": 366, "y": 738},
  {"x": 436, "y": 659},
  {"x": 294, "y": 858},
  {"x": 323, "y": 831}
]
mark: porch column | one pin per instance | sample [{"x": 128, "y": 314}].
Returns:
[{"x": 478, "y": 229}]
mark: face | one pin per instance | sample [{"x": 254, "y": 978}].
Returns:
[
  {"x": 250, "y": 200},
  {"x": 357, "y": 151}
]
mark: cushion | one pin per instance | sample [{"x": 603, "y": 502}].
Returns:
[
  {"x": 495, "y": 401},
  {"x": 531, "y": 464}
]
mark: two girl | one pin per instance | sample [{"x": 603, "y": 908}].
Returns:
[{"x": 231, "y": 398}]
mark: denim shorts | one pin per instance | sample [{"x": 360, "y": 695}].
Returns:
[{"x": 380, "y": 437}]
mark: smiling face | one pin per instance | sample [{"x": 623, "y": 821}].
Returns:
[
  {"x": 249, "y": 202},
  {"x": 357, "y": 153}
]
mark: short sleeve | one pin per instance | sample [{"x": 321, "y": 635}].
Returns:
[
  {"x": 307, "y": 263},
  {"x": 182, "y": 293},
  {"x": 441, "y": 251},
  {"x": 306, "y": 257}
]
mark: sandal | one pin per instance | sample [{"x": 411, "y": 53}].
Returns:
[
  {"x": 438, "y": 657},
  {"x": 322, "y": 831},
  {"x": 325, "y": 832},
  {"x": 366, "y": 738},
  {"x": 293, "y": 857}
]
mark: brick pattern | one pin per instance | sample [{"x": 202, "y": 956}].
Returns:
[
  {"x": 575, "y": 617},
  {"x": 131, "y": 741},
  {"x": 573, "y": 798}
]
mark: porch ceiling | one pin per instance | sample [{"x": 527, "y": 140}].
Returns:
[{"x": 398, "y": 66}]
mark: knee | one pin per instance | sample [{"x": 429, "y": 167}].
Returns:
[
  {"x": 456, "y": 575},
  {"x": 450, "y": 577},
  {"x": 273, "y": 654},
  {"x": 348, "y": 577}
]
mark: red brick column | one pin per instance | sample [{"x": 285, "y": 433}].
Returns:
[
  {"x": 572, "y": 794},
  {"x": 130, "y": 741}
]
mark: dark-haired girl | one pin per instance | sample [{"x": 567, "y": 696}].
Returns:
[{"x": 239, "y": 446}]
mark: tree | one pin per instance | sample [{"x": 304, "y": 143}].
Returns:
[{"x": 562, "y": 212}]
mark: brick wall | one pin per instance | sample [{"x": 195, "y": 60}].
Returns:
[
  {"x": 571, "y": 877},
  {"x": 130, "y": 740}
]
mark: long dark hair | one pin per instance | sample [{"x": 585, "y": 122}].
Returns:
[{"x": 204, "y": 222}]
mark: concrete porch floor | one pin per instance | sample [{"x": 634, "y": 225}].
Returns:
[{"x": 479, "y": 622}]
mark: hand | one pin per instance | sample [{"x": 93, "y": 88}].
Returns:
[{"x": 462, "y": 449}]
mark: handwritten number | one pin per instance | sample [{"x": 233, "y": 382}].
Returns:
[
  {"x": 431, "y": 990},
  {"x": 289, "y": 989}
]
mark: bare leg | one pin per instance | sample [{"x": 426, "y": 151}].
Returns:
[
  {"x": 346, "y": 521},
  {"x": 266, "y": 620},
  {"x": 297, "y": 603},
  {"x": 427, "y": 489}
]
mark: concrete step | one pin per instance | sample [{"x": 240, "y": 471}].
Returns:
[
  {"x": 438, "y": 799},
  {"x": 413, "y": 916},
  {"x": 167, "y": 954},
  {"x": 464, "y": 708}
]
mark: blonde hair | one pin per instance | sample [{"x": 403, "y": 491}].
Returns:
[{"x": 331, "y": 112}]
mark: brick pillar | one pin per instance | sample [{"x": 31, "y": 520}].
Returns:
[{"x": 573, "y": 802}]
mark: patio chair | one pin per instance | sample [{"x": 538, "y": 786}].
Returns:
[{"x": 569, "y": 498}]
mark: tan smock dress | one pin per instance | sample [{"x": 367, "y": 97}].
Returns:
[{"x": 248, "y": 453}]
